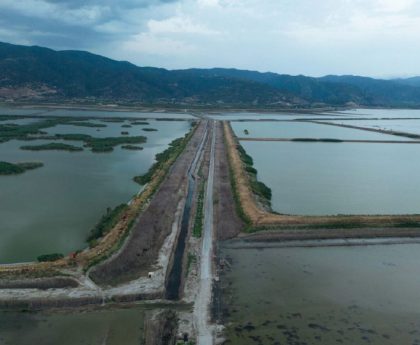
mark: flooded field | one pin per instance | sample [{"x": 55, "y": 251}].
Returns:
[
  {"x": 323, "y": 295},
  {"x": 292, "y": 130},
  {"x": 109, "y": 326},
  {"x": 343, "y": 178},
  {"x": 380, "y": 113},
  {"x": 53, "y": 208},
  {"x": 242, "y": 116},
  {"x": 407, "y": 126}
]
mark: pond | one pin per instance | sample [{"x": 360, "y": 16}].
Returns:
[
  {"x": 53, "y": 208},
  {"x": 339, "y": 178},
  {"x": 292, "y": 130},
  {"x": 96, "y": 327},
  {"x": 323, "y": 295}
]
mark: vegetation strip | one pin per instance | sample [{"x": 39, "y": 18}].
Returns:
[
  {"x": 199, "y": 215},
  {"x": 52, "y": 146},
  {"x": 260, "y": 219},
  {"x": 175, "y": 148},
  {"x": 328, "y": 140},
  {"x": 7, "y": 168}
]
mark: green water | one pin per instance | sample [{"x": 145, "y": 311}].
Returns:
[
  {"x": 343, "y": 178},
  {"x": 111, "y": 327},
  {"x": 52, "y": 209},
  {"x": 326, "y": 295},
  {"x": 292, "y": 130}
]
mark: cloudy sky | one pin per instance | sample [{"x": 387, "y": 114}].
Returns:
[{"x": 364, "y": 37}]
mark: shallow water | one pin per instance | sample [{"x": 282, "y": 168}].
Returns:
[
  {"x": 325, "y": 295},
  {"x": 380, "y": 113},
  {"x": 52, "y": 209},
  {"x": 111, "y": 327},
  {"x": 292, "y": 130},
  {"x": 339, "y": 178},
  {"x": 267, "y": 116},
  {"x": 408, "y": 126}
]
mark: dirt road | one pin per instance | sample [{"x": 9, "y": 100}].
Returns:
[{"x": 205, "y": 332}]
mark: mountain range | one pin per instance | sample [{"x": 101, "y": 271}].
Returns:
[{"x": 32, "y": 73}]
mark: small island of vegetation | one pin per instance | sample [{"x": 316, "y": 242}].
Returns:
[
  {"x": 7, "y": 168},
  {"x": 50, "y": 257},
  {"x": 85, "y": 124},
  {"x": 52, "y": 146},
  {"x": 150, "y": 129},
  {"x": 140, "y": 123},
  {"x": 132, "y": 147}
]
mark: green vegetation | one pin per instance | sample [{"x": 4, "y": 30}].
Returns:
[
  {"x": 142, "y": 123},
  {"x": 85, "y": 124},
  {"x": 7, "y": 168},
  {"x": 52, "y": 146},
  {"x": 50, "y": 257},
  {"x": 150, "y": 129},
  {"x": 192, "y": 259},
  {"x": 106, "y": 223},
  {"x": 175, "y": 147},
  {"x": 258, "y": 188},
  {"x": 236, "y": 198},
  {"x": 132, "y": 147},
  {"x": 28, "y": 131},
  {"x": 246, "y": 131},
  {"x": 113, "y": 120},
  {"x": 179, "y": 145},
  {"x": 199, "y": 215},
  {"x": 124, "y": 133},
  {"x": 102, "y": 144},
  {"x": 312, "y": 140}
]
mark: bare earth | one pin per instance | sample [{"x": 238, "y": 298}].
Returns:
[{"x": 153, "y": 226}]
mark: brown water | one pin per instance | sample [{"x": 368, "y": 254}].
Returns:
[
  {"x": 111, "y": 327},
  {"x": 324, "y": 295}
]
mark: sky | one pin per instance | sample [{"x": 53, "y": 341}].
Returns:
[{"x": 379, "y": 38}]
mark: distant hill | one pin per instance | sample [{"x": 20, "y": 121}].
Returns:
[{"x": 36, "y": 73}]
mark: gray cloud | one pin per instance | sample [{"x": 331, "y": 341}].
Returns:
[{"x": 287, "y": 36}]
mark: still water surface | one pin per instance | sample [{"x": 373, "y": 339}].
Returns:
[
  {"x": 111, "y": 327},
  {"x": 325, "y": 295},
  {"x": 292, "y": 130},
  {"x": 339, "y": 178},
  {"x": 52, "y": 209}
]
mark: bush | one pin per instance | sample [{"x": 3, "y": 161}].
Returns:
[
  {"x": 50, "y": 257},
  {"x": 106, "y": 223}
]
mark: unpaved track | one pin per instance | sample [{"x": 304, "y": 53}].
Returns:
[
  {"x": 139, "y": 254},
  {"x": 228, "y": 223},
  {"x": 205, "y": 333}
]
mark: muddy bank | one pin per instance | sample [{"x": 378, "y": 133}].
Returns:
[
  {"x": 153, "y": 226},
  {"x": 51, "y": 303},
  {"x": 228, "y": 223},
  {"x": 160, "y": 327},
  {"x": 330, "y": 234},
  {"x": 41, "y": 283}
]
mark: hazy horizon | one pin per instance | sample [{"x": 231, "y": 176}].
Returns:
[{"x": 374, "y": 38}]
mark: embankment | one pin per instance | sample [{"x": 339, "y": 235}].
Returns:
[{"x": 260, "y": 219}]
